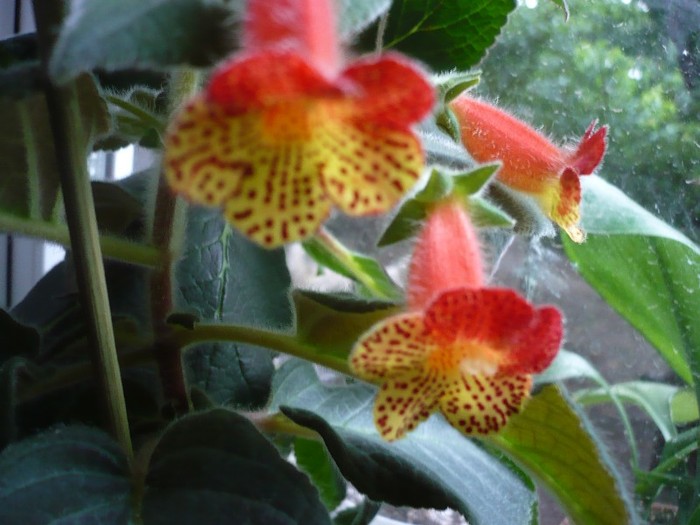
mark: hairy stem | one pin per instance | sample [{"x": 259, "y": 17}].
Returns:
[
  {"x": 115, "y": 248},
  {"x": 71, "y": 151},
  {"x": 285, "y": 344},
  {"x": 167, "y": 233}
]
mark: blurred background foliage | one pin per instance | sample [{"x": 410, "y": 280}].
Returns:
[{"x": 631, "y": 64}]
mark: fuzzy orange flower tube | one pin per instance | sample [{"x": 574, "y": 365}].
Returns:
[
  {"x": 531, "y": 163},
  {"x": 464, "y": 349},
  {"x": 286, "y": 130}
]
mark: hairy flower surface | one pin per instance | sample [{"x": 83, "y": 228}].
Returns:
[
  {"x": 285, "y": 131},
  {"x": 531, "y": 163},
  {"x": 462, "y": 348}
]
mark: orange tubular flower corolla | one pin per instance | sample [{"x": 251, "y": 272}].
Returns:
[
  {"x": 531, "y": 163},
  {"x": 284, "y": 130},
  {"x": 462, "y": 348}
]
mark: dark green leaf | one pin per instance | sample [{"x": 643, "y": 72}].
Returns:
[
  {"x": 10, "y": 374},
  {"x": 551, "y": 441},
  {"x": 115, "y": 208},
  {"x": 20, "y": 80},
  {"x": 434, "y": 466},
  {"x": 444, "y": 35},
  {"x": 221, "y": 276},
  {"x": 646, "y": 270},
  {"x": 19, "y": 339},
  {"x": 214, "y": 467},
  {"x": 119, "y": 34},
  {"x": 29, "y": 183},
  {"x": 313, "y": 458},
  {"x": 66, "y": 475},
  {"x": 356, "y": 15}
]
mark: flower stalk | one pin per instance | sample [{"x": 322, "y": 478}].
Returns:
[{"x": 70, "y": 146}]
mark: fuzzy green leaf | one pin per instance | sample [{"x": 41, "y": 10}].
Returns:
[
  {"x": 434, "y": 466},
  {"x": 29, "y": 183},
  {"x": 643, "y": 268},
  {"x": 444, "y": 35},
  {"x": 549, "y": 440},
  {"x": 120, "y": 34},
  {"x": 221, "y": 276},
  {"x": 215, "y": 467},
  {"x": 66, "y": 475}
]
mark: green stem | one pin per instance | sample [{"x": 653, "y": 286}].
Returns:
[
  {"x": 285, "y": 344},
  {"x": 167, "y": 234},
  {"x": 71, "y": 150},
  {"x": 180, "y": 338},
  {"x": 115, "y": 248}
]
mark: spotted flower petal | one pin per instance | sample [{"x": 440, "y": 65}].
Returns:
[
  {"x": 395, "y": 346},
  {"x": 403, "y": 402},
  {"x": 479, "y": 405}
]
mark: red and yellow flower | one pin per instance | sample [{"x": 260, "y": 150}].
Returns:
[
  {"x": 464, "y": 349},
  {"x": 530, "y": 162},
  {"x": 285, "y": 130}
]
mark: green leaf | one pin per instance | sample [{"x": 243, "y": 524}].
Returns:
[
  {"x": 409, "y": 219},
  {"x": 549, "y": 440},
  {"x": 313, "y": 458},
  {"x": 214, "y": 467},
  {"x": 653, "y": 398},
  {"x": 434, "y": 466},
  {"x": 453, "y": 83},
  {"x": 66, "y": 475},
  {"x": 11, "y": 372},
  {"x": 643, "y": 268},
  {"x": 356, "y": 15},
  {"x": 370, "y": 275},
  {"x": 410, "y": 216},
  {"x": 672, "y": 467},
  {"x": 120, "y": 34},
  {"x": 116, "y": 209},
  {"x": 444, "y": 35},
  {"x": 332, "y": 324},
  {"x": 29, "y": 183},
  {"x": 221, "y": 276},
  {"x": 475, "y": 180}
]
